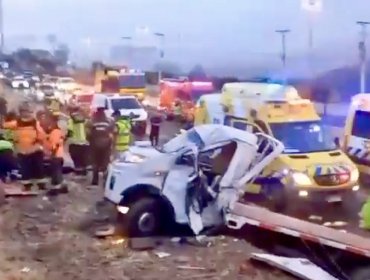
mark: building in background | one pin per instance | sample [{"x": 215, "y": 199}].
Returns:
[{"x": 140, "y": 57}]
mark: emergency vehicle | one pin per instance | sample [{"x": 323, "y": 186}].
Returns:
[
  {"x": 83, "y": 100},
  {"x": 311, "y": 168},
  {"x": 153, "y": 190},
  {"x": 179, "y": 96},
  {"x": 127, "y": 105},
  {"x": 356, "y": 141},
  {"x": 121, "y": 80}
]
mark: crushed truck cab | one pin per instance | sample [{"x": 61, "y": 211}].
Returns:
[
  {"x": 311, "y": 167},
  {"x": 192, "y": 180},
  {"x": 356, "y": 142}
]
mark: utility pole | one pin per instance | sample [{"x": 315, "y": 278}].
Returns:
[
  {"x": 128, "y": 38},
  {"x": 161, "y": 37},
  {"x": 283, "y": 33},
  {"x": 362, "y": 53},
  {"x": 2, "y": 41}
]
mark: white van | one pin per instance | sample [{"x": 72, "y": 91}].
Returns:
[{"x": 127, "y": 105}]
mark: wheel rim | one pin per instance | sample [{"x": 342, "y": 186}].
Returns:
[{"x": 147, "y": 222}]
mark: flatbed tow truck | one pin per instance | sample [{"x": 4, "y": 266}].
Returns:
[{"x": 344, "y": 255}]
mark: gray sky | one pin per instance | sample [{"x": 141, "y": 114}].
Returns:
[{"x": 209, "y": 31}]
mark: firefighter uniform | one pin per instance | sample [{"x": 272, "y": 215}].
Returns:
[
  {"x": 123, "y": 135},
  {"x": 101, "y": 139},
  {"x": 54, "y": 151},
  {"x": 28, "y": 137},
  {"x": 79, "y": 147}
]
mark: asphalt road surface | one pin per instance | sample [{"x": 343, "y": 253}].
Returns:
[{"x": 347, "y": 213}]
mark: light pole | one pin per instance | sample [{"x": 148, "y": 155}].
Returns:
[
  {"x": 362, "y": 53},
  {"x": 283, "y": 33},
  {"x": 2, "y": 38},
  {"x": 161, "y": 37},
  {"x": 128, "y": 39}
]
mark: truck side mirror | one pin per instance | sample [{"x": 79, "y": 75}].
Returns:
[{"x": 337, "y": 142}]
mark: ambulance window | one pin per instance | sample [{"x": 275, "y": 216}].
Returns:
[{"x": 361, "y": 124}]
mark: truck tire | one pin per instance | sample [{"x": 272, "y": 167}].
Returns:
[
  {"x": 145, "y": 218},
  {"x": 360, "y": 274}
]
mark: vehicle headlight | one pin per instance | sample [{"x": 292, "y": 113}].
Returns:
[
  {"x": 355, "y": 175},
  {"x": 301, "y": 179},
  {"x": 133, "y": 158}
]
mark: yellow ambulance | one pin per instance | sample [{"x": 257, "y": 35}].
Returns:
[
  {"x": 356, "y": 141},
  {"x": 312, "y": 168}
]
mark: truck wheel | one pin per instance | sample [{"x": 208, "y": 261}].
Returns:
[
  {"x": 145, "y": 218},
  {"x": 360, "y": 274},
  {"x": 277, "y": 197}
]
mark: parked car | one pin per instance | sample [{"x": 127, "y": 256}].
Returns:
[
  {"x": 66, "y": 84},
  {"x": 19, "y": 82},
  {"x": 44, "y": 90}
]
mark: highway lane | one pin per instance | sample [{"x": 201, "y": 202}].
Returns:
[{"x": 346, "y": 213}]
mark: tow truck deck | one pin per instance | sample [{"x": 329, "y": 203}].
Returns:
[{"x": 343, "y": 254}]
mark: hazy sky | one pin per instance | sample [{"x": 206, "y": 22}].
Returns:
[{"x": 206, "y": 29}]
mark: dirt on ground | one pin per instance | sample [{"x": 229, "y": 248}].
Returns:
[{"x": 52, "y": 238}]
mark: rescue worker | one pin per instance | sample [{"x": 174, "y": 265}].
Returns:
[
  {"x": 53, "y": 105},
  {"x": 122, "y": 134},
  {"x": 100, "y": 137},
  {"x": 365, "y": 215},
  {"x": 177, "y": 110},
  {"x": 3, "y": 108},
  {"x": 8, "y": 162},
  {"x": 28, "y": 137},
  {"x": 155, "y": 123},
  {"x": 9, "y": 120},
  {"x": 54, "y": 150},
  {"x": 78, "y": 147}
]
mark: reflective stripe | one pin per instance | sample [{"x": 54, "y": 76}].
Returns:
[
  {"x": 25, "y": 182},
  {"x": 101, "y": 124}
]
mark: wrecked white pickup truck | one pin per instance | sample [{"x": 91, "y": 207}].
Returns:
[{"x": 194, "y": 179}]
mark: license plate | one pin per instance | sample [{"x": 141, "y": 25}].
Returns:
[{"x": 334, "y": 198}]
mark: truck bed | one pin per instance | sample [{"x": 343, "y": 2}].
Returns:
[{"x": 243, "y": 214}]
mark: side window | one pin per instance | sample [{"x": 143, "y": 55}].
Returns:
[
  {"x": 106, "y": 105},
  {"x": 241, "y": 125},
  {"x": 216, "y": 121}
]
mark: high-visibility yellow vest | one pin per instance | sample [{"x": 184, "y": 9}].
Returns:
[
  {"x": 78, "y": 132},
  {"x": 177, "y": 110},
  {"x": 54, "y": 106},
  {"x": 8, "y": 134},
  {"x": 6, "y": 145},
  {"x": 365, "y": 213},
  {"x": 123, "y": 137}
]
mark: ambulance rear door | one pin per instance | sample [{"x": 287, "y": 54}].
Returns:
[{"x": 358, "y": 147}]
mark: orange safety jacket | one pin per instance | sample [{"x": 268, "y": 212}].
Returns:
[
  {"x": 28, "y": 135},
  {"x": 54, "y": 143}
]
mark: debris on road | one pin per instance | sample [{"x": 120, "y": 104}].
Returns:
[
  {"x": 162, "y": 255},
  {"x": 298, "y": 267}
]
